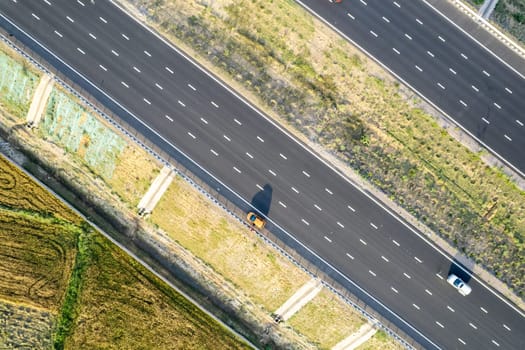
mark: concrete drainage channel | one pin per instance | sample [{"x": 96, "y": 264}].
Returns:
[{"x": 228, "y": 201}]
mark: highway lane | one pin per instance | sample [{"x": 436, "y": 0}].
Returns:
[
  {"x": 246, "y": 152},
  {"x": 453, "y": 72}
]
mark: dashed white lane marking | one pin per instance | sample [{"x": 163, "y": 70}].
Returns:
[
  {"x": 103, "y": 68},
  {"x": 260, "y": 138},
  {"x": 416, "y": 307},
  {"x": 418, "y": 68},
  {"x": 283, "y": 156},
  {"x": 508, "y": 90},
  {"x": 372, "y": 273},
  {"x": 182, "y": 104},
  {"x": 295, "y": 190},
  {"x": 485, "y": 120},
  {"x": 495, "y": 343},
  {"x": 103, "y": 19},
  {"x": 80, "y": 50},
  {"x": 227, "y": 138},
  {"x": 214, "y": 152},
  {"x": 386, "y": 19},
  {"x": 486, "y": 73},
  {"x": 204, "y": 120},
  {"x": 394, "y": 290},
  {"x": 147, "y": 101},
  {"x": 327, "y": 190},
  {"x": 507, "y": 137},
  {"x": 59, "y": 34},
  {"x": 373, "y": 225},
  {"x": 214, "y": 104},
  {"x": 169, "y": 70},
  {"x": 306, "y": 174},
  {"x": 35, "y": 16},
  {"x": 125, "y": 36},
  {"x": 441, "y": 86},
  {"x": 249, "y": 155},
  {"x": 350, "y": 256},
  {"x": 506, "y": 327},
  {"x": 236, "y": 121},
  {"x": 363, "y": 2},
  {"x": 395, "y": 3},
  {"x": 373, "y": 33},
  {"x": 519, "y": 122},
  {"x": 441, "y": 38},
  {"x": 439, "y": 324},
  {"x": 474, "y": 88},
  {"x": 340, "y": 225},
  {"x": 418, "y": 259},
  {"x": 126, "y": 85},
  {"x": 407, "y": 275},
  {"x": 396, "y": 51},
  {"x": 472, "y": 325},
  {"x": 237, "y": 170},
  {"x": 79, "y": 2},
  {"x": 147, "y": 53},
  {"x": 47, "y": 2},
  {"x": 92, "y": 36},
  {"x": 430, "y": 54},
  {"x": 70, "y": 19},
  {"x": 272, "y": 172},
  {"x": 384, "y": 258},
  {"x": 305, "y": 222},
  {"x": 363, "y": 242},
  {"x": 452, "y": 71},
  {"x": 483, "y": 309},
  {"x": 464, "y": 56},
  {"x": 136, "y": 69},
  {"x": 419, "y": 21},
  {"x": 350, "y": 15},
  {"x": 158, "y": 86},
  {"x": 352, "y": 209},
  {"x": 497, "y": 105},
  {"x": 395, "y": 242},
  {"x": 259, "y": 187},
  {"x": 462, "y": 341},
  {"x": 463, "y": 103},
  {"x": 318, "y": 207},
  {"x": 169, "y": 118},
  {"x": 428, "y": 292},
  {"x": 440, "y": 277},
  {"x": 115, "y": 53},
  {"x": 451, "y": 309},
  {"x": 192, "y": 87},
  {"x": 328, "y": 239},
  {"x": 282, "y": 204},
  {"x": 408, "y": 36}
]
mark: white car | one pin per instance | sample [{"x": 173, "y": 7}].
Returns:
[{"x": 458, "y": 283}]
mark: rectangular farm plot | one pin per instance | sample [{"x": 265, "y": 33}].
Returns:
[{"x": 227, "y": 246}]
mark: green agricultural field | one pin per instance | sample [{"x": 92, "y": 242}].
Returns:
[
  {"x": 62, "y": 283},
  {"x": 331, "y": 95}
]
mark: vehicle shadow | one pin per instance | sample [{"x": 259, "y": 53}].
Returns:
[
  {"x": 454, "y": 268},
  {"x": 262, "y": 200}
]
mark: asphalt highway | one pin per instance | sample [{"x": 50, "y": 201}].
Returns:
[
  {"x": 356, "y": 237},
  {"x": 453, "y": 72}
]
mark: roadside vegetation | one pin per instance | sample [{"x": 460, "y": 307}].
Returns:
[
  {"x": 510, "y": 15},
  {"x": 322, "y": 87}
]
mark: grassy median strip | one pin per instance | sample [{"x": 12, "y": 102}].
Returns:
[{"x": 320, "y": 86}]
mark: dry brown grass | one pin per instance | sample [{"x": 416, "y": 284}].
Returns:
[
  {"x": 227, "y": 246},
  {"x": 134, "y": 172},
  {"x": 380, "y": 341},
  {"x": 326, "y": 320}
]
